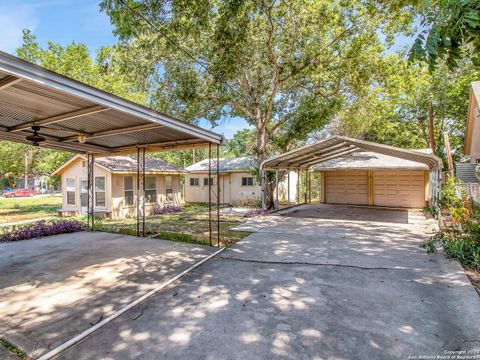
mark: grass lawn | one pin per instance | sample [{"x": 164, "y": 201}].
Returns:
[
  {"x": 18, "y": 209},
  {"x": 172, "y": 227}
]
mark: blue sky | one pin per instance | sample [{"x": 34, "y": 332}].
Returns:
[{"x": 64, "y": 21}]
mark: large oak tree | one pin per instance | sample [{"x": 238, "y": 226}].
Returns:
[{"x": 287, "y": 67}]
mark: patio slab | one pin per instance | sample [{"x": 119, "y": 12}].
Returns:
[{"x": 53, "y": 288}]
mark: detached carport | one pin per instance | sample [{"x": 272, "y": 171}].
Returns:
[
  {"x": 62, "y": 287},
  {"x": 358, "y": 172},
  {"x": 43, "y": 108}
]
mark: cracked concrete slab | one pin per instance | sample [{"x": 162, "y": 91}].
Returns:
[{"x": 334, "y": 290}]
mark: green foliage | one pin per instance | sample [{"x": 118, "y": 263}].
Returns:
[
  {"x": 241, "y": 144},
  {"x": 395, "y": 111},
  {"x": 451, "y": 32},
  {"x": 286, "y": 67},
  {"x": 74, "y": 61},
  {"x": 13, "y": 349},
  {"x": 460, "y": 235}
]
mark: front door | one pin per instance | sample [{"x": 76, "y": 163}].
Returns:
[{"x": 83, "y": 197}]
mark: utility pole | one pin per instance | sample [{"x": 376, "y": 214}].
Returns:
[{"x": 430, "y": 127}]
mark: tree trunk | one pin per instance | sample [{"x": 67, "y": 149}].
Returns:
[{"x": 261, "y": 151}]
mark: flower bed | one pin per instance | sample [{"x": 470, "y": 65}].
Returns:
[
  {"x": 169, "y": 209},
  {"x": 43, "y": 228}
]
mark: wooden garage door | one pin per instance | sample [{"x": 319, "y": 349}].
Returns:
[
  {"x": 399, "y": 188},
  {"x": 346, "y": 187}
]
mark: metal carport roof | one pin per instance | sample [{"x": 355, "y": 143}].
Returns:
[
  {"x": 339, "y": 146},
  {"x": 79, "y": 118}
]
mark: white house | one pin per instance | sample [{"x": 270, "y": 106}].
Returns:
[
  {"x": 238, "y": 182},
  {"x": 115, "y": 186}
]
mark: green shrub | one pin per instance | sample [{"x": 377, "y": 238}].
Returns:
[{"x": 460, "y": 236}]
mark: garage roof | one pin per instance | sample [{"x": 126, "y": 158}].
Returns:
[
  {"x": 369, "y": 160},
  {"x": 79, "y": 118},
  {"x": 340, "y": 146}
]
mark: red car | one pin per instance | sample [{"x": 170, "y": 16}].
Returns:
[{"x": 20, "y": 193}]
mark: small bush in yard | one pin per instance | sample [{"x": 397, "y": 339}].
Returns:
[
  {"x": 169, "y": 209},
  {"x": 43, "y": 228},
  {"x": 257, "y": 212}
]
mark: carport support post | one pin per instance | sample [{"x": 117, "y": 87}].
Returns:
[
  {"x": 209, "y": 194},
  {"x": 276, "y": 190},
  {"x": 309, "y": 186},
  {"x": 143, "y": 192},
  {"x": 288, "y": 187},
  {"x": 138, "y": 192},
  {"x": 90, "y": 191},
  {"x": 218, "y": 195},
  {"x": 298, "y": 186}
]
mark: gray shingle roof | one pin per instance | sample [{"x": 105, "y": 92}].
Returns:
[
  {"x": 369, "y": 160},
  {"x": 246, "y": 163},
  {"x": 125, "y": 163}
]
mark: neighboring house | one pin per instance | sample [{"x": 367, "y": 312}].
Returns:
[
  {"x": 472, "y": 133},
  {"x": 238, "y": 182},
  {"x": 465, "y": 171},
  {"x": 367, "y": 178},
  {"x": 38, "y": 182},
  {"x": 115, "y": 186}
]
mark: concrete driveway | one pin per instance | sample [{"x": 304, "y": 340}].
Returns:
[
  {"x": 305, "y": 288},
  {"x": 53, "y": 288}
]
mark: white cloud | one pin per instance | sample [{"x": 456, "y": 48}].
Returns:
[{"x": 13, "y": 19}]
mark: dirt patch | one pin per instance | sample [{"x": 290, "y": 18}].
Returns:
[{"x": 474, "y": 276}]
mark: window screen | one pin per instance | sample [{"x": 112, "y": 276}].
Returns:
[
  {"x": 169, "y": 188},
  {"x": 194, "y": 181},
  {"x": 128, "y": 190},
  {"x": 150, "y": 189},
  {"x": 70, "y": 191},
  {"x": 247, "y": 181},
  {"x": 100, "y": 191},
  {"x": 205, "y": 181}
]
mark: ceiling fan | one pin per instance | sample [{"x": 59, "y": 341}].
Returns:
[{"x": 35, "y": 138}]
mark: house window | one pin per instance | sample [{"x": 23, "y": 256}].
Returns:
[
  {"x": 169, "y": 188},
  {"x": 100, "y": 191},
  {"x": 205, "y": 181},
  {"x": 247, "y": 181},
  {"x": 128, "y": 190},
  {"x": 194, "y": 182},
  {"x": 70, "y": 191},
  {"x": 150, "y": 189}
]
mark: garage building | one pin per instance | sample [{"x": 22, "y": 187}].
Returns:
[
  {"x": 358, "y": 172},
  {"x": 367, "y": 178}
]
